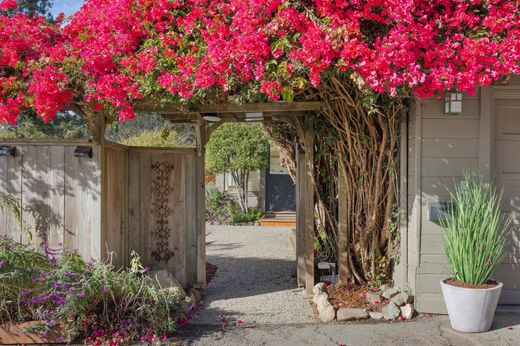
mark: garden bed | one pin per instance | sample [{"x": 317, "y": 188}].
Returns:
[
  {"x": 345, "y": 302},
  {"x": 62, "y": 298}
]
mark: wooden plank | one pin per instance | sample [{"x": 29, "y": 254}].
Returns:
[
  {"x": 190, "y": 225},
  {"x": 115, "y": 203},
  {"x": 134, "y": 197},
  {"x": 309, "y": 203},
  {"x": 178, "y": 200},
  {"x": 448, "y": 167},
  {"x": 72, "y": 207},
  {"x": 300, "y": 218},
  {"x": 11, "y": 184},
  {"x": 145, "y": 208},
  {"x": 450, "y": 128},
  {"x": 435, "y": 109},
  {"x": 36, "y": 194},
  {"x": 201, "y": 215},
  {"x": 57, "y": 196},
  {"x": 44, "y": 142},
  {"x": 450, "y": 147},
  {"x": 235, "y": 108}
]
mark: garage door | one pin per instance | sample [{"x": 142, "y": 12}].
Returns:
[{"x": 507, "y": 175}]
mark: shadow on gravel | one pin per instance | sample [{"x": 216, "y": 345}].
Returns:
[{"x": 240, "y": 277}]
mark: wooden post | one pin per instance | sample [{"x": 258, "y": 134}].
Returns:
[
  {"x": 343, "y": 227},
  {"x": 200, "y": 215},
  {"x": 308, "y": 201},
  {"x": 300, "y": 217}
]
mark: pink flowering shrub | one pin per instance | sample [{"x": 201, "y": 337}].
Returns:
[
  {"x": 94, "y": 302},
  {"x": 115, "y": 53}
]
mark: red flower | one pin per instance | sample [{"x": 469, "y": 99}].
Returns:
[{"x": 8, "y": 5}]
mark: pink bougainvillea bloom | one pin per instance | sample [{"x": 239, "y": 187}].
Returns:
[{"x": 8, "y": 5}]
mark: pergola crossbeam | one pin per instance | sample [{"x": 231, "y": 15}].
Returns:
[{"x": 222, "y": 108}]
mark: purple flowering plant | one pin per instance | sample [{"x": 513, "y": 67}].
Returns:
[{"x": 95, "y": 302}]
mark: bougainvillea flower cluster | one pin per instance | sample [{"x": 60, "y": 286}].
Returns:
[{"x": 115, "y": 53}]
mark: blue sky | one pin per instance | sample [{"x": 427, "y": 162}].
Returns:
[{"x": 66, "y": 6}]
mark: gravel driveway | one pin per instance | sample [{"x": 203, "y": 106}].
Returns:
[{"x": 256, "y": 280}]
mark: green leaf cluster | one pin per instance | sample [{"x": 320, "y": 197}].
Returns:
[
  {"x": 476, "y": 231},
  {"x": 237, "y": 147}
]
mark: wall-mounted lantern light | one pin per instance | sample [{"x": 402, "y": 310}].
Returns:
[
  {"x": 254, "y": 116},
  {"x": 453, "y": 103},
  {"x": 212, "y": 118},
  {"x": 7, "y": 151},
  {"x": 83, "y": 152}
]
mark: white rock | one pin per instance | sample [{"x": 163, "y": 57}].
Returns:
[
  {"x": 391, "y": 311},
  {"x": 407, "y": 311},
  {"x": 351, "y": 314},
  {"x": 319, "y": 297},
  {"x": 382, "y": 288},
  {"x": 397, "y": 300},
  {"x": 375, "y": 315},
  {"x": 407, "y": 297},
  {"x": 166, "y": 280},
  {"x": 373, "y": 298},
  {"x": 318, "y": 288},
  {"x": 326, "y": 311},
  {"x": 389, "y": 292}
]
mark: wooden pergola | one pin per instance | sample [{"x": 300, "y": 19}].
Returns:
[
  {"x": 95, "y": 196},
  {"x": 299, "y": 114}
]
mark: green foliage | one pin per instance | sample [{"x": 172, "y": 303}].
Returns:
[
  {"x": 216, "y": 202},
  {"x": 237, "y": 216},
  {"x": 151, "y": 130},
  {"x": 222, "y": 209},
  {"x": 12, "y": 204},
  {"x": 476, "y": 233},
  {"x": 64, "y": 126},
  {"x": 92, "y": 300},
  {"x": 237, "y": 147},
  {"x": 159, "y": 139}
]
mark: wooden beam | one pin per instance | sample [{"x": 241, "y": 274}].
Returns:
[
  {"x": 232, "y": 108},
  {"x": 259, "y": 107}
]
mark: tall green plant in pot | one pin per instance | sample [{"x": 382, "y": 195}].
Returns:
[{"x": 475, "y": 238}]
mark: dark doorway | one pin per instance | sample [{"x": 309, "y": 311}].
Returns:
[{"x": 279, "y": 186}]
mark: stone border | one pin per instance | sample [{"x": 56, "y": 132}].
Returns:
[{"x": 400, "y": 305}]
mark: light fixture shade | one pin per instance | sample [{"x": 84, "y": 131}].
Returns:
[
  {"x": 453, "y": 103},
  {"x": 212, "y": 118},
  {"x": 257, "y": 116}
]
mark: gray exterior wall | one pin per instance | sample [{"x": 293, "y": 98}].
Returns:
[
  {"x": 439, "y": 149},
  {"x": 256, "y": 195}
]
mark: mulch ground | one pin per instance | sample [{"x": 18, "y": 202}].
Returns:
[
  {"x": 351, "y": 296},
  {"x": 458, "y": 283}
]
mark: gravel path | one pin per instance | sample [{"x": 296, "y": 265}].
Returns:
[{"x": 256, "y": 280}]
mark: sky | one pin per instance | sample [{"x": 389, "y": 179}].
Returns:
[{"x": 66, "y": 6}]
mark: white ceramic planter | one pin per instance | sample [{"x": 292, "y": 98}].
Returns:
[{"x": 471, "y": 310}]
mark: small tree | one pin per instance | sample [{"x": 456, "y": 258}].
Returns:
[{"x": 238, "y": 149}]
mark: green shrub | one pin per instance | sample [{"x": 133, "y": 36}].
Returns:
[
  {"x": 222, "y": 209},
  {"x": 237, "y": 216},
  {"x": 94, "y": 302},
  {"x": 476, "y": 232}
]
